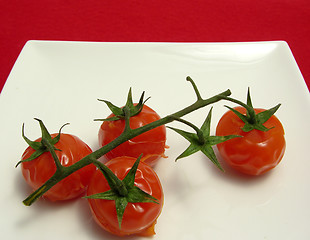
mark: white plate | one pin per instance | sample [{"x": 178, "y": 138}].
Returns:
[{"x": 59, "y": 82}]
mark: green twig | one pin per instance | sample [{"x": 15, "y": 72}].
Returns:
[{"x": 125, "y": 136}]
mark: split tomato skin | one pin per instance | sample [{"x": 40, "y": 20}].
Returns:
[
  {"x": 138, "y": 218},
  {"x": 36, "y": 172},
  {"x": 151, "y": 144},
  {"x": 256, "y": 152}
]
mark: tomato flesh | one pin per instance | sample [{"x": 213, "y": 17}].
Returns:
[
  {"x": 256, "y": 152},
  {"x": 138, "y": 218},
  {"x": 39, "y": 170},
  {"x": 152, "y": 143}
]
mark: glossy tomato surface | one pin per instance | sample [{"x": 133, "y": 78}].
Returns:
[
  {"x": 152, "y": 143},
  {"x": 39, "y": 170},
  {"x": 256, "y": 152},
  {"x": 138, "y": 218}
]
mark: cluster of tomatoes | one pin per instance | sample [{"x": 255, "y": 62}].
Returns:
[{"x": 254, "y": 153}]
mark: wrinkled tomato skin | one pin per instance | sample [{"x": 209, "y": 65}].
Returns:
[
  {"x": 152, "y": 143},
  {"x": 39, "y": 170},
  {"x": 256, "y": 152},
  {"x": 138, "y": 218}
]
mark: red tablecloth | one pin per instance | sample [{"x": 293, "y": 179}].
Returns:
[{"x": 155, "y": 21}]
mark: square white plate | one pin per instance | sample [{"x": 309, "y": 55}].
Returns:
[{"x": 59, "y": 82}]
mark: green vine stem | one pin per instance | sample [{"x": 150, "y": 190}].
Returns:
[
  {"x": 128, "y": 133},
  {"x": 198, "y": 131},
  {"x": 249, "y": 109}
]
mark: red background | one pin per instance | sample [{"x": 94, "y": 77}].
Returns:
[{"x": 154, "y": 21}]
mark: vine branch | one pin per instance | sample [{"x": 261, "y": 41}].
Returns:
[{"x": 128, "y": 133}]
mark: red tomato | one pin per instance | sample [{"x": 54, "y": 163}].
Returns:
[
  {"x": 138, "y": 218},
  {"x": 151, "y": 143},
  {"x": 39, "y": 170},
  {"x": 256, "y": 152}
]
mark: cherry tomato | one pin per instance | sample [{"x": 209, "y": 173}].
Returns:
[
  {"x": 36, "y": 172},
  {"x": 151, "y": 143},
  {"x": 138, "y": 218},
  {"x": 257, "y": 151}
]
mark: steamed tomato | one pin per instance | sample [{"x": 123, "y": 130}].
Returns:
[
  {"x": 36, "y": 172},
  {"x": 257, "y": 151},
  {"x": 152, "y": 143},
  {"x": 138, "y": 218}
]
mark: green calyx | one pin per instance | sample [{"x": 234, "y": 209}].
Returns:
[
  {"x": 251, "y": 119},
  {"x": 119, "y": 112},
  {"x": 201, "y": 140},
  {"x": 45, "y": 145},
  {"x": 122, "y": 191}
]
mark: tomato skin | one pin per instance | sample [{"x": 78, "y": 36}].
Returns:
[
  {"x": 152, "y": 143},
  {"x": 39, "y": 170},
  {"x": 256, "y": 152},
  {"x": 138, "y": 218}
]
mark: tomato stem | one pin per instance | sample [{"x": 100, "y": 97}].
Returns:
[
  {"x": 200, "y": 136},
  {"x": 57, "y": 177},
  {"x": 195, "y": 88},
  {"x": 127, "y": 118},
  {"x": 114, "y": 182},
  {"x": 127, "y": 134},
  {"x": 250, "y": 110},
  {"x": 51, "y": 149}
]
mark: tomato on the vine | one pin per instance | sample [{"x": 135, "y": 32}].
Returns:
[
  {"x": 37, "y": 171},
  {"x": 139, "y": 217},
  {"x": 256, "y": 152},
  {"x": 152, "y": 143}
]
